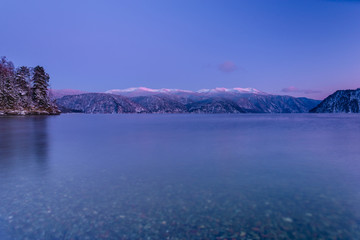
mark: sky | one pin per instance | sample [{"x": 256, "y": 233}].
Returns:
[{"x": 300, "y": 47}]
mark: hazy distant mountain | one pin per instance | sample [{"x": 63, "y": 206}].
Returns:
[
  {"x": 342, "y": 101},
  {"x": 58, "y": 93},
  {"x": 218, "y": 100}
]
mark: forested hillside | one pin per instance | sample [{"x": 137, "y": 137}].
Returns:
[{"x": 24, "y": 90}]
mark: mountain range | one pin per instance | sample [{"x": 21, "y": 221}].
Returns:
[{"x": 146, "y": 100}]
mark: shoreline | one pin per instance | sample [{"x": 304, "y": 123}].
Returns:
[{"x": 27, "y": 112}]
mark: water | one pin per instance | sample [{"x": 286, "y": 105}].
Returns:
[{"x": 180, "y": 177}]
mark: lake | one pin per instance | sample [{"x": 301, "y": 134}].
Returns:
[{"x": 246, "y": 176}]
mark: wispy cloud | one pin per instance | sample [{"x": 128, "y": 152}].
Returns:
[
  {"x": 227, "y": 67},
  {"x": 293, "y": 89}
]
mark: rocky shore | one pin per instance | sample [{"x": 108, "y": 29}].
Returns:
[{"x": 28, "y": 112}]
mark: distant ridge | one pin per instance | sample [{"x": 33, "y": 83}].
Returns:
[
  {"x": 58, "y": 93},
  {"x": 143, "y": 91},
  {"x": 217, "y": 100},
  {"x": 231, "y": 90}
]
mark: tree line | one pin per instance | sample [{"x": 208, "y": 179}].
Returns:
[{"x": 24, "y": 88}]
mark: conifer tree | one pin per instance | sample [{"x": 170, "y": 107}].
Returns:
[
  {"x": 40, "y": 82},
  {"x": 22, "y": 81},
  {"x": 7, "y": 85},
  {"x": 2, "y": 82}
]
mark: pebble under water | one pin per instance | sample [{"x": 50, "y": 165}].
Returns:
[{"x": 246, "y": 176}]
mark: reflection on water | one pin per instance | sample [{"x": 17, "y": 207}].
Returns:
[
  {"x": 23, "y": 149},
  {"x": 23, "y": 142},
  {"x": 246, "y": 176}
]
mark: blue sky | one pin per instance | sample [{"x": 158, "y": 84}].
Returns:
[{"x": 302, "y": 48}]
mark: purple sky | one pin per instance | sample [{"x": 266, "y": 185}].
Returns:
[{"x": 301, "y": 48}]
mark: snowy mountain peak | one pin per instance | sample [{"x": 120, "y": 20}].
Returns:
[
  {"x": 230, "y": 90},
  {"x": 143, "y": 91}
]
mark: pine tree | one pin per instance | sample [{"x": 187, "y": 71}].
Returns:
[
  {"x": 8, "y": 95},
  {"x": 2, "y": 82},
  {"x": 40, "y": 88},
  {"x": 22, "y": 81}
]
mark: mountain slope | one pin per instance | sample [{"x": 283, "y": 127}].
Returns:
[
  {"x": 342, "y": 101},
  {"x": 214, "y": 105},
  {"x": 98, "y": 103},
  {"x": 280, "y": 104},
  {"x": 160, "y": 104}
]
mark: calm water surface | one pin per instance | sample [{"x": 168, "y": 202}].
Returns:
[{"x": 180, "y": 177}]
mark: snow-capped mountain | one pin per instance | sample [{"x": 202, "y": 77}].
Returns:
[
  {"x": 143, "y": 91},
  {"x": 230, "y": 90},
  {"x": 218, "y": 100}
]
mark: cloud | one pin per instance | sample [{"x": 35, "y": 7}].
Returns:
[
  {"x": 293, "y": 89},
  {"x": 227, "y": 67},
  {"x": 290, "y": 89}
]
